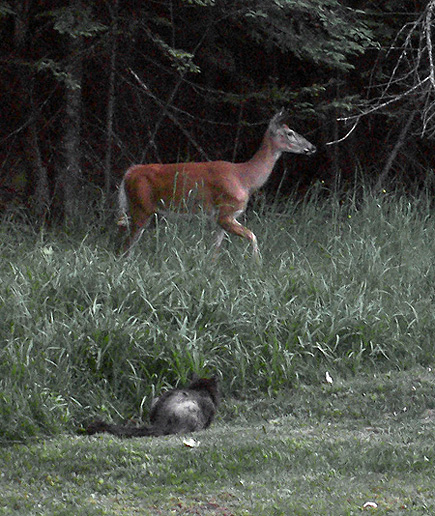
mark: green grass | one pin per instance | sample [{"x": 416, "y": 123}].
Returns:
[
  {"x": 345, "y": 287},
  {"x": 314, "y": 450}
]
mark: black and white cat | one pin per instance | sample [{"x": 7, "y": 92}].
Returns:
[{"x": 174, "y": 412}]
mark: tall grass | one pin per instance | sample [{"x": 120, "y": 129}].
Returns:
[{"x": 344, "y": 286}]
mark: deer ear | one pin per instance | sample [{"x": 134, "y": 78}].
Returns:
[{"x": 277, "y": 120}]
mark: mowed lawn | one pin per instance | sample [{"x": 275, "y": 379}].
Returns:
[{"x": 353, "y": 446}]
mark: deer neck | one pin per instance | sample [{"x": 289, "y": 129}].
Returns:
[{"x": 257, "y": 170}]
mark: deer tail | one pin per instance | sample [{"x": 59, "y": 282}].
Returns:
[{"x": 123, "y": 205}]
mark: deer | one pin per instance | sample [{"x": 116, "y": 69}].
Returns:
[{"x": 221, "y": 188}]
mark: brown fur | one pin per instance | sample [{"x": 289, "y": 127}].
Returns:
[{"x": 221, "y": 188}]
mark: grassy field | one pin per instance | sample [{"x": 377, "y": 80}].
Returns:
[
  {"x": 316, "y": 450},
  {"x": 345, "y": 287}
]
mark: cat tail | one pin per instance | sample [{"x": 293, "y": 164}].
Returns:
[{"x": 99, "y": 426}]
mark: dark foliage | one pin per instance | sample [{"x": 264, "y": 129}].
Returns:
[{"x": 90, "y": 88}]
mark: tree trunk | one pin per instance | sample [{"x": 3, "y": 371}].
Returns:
[
  {"x": 71, "y": 175},
  {"x": 111, "y": 104},
  {"x": 400, "y": 141},
  {"x": 41, "y": 195}
]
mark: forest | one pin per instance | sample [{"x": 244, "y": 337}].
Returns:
[{"x": 89, "y": 88}]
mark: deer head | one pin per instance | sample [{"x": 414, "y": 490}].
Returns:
[{"x": 287, "y": 140}]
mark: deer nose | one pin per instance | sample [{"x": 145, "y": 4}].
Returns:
[{"x": 310, "y": 150}]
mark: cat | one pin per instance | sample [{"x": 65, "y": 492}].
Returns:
[{"x": 174, "y": 412}]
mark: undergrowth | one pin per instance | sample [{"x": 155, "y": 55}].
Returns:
[{"x": 344, "y": 286}]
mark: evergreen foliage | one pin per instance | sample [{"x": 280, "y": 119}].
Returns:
[{"x": 210, "y": 72}]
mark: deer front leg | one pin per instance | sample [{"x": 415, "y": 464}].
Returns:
[{"x": 231, "y": 225}]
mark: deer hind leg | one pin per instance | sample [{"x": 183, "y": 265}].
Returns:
[
  {"x": 219, "y": 239},
  {"x": 231, "y": 225},
  {"x": 136, "y": 228},
  {"x": 139, "y": 223},
  {"x": 141, "y": 209},
  {"x": 217, "y": 244}
]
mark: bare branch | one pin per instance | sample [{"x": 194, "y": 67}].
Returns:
[
  {"x": 348, "y": 134},
  {"x": 428, "y": 27},
  {"x": 378, "y": 107},
  {"x": 147, "y": 90},
  {"x": 412, "y": 79}
]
